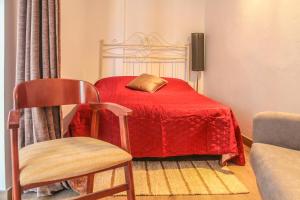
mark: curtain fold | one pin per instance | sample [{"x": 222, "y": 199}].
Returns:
[{"x": 37, "y": 58}]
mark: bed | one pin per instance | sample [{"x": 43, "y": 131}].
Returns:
[{"x": 174, "y": 121}]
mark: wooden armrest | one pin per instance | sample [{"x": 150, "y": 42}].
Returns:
[
  {"x": 13, "y": 119},
  {"x": 122, "y": 113},
  {"x": 113, "y": 107}
]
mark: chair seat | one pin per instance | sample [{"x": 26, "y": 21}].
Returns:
[{"x": 66, "y": 158}]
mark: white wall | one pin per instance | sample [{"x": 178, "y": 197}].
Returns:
[
  {"x": 84, "y": 24},
  {"x": 253, "y": 61},
  {"x": 2, "y": 134},
  {"x": 174, "y": 20},
  {"x": 7, "y": 80}
]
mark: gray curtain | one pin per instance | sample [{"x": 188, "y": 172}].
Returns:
[{"x": 37, "y": 58}]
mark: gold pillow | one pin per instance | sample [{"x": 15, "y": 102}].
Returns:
[{"x": 147, "y": 83}]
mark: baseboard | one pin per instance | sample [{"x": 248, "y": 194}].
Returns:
[
  {"x": 247, "y": 141},
  {"x": 6, "y": 194}
]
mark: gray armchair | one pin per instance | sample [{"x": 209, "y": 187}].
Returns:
[{"x": 275, "y": 155}]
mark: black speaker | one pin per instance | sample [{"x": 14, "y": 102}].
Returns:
[{"x": 197, "y": 51}]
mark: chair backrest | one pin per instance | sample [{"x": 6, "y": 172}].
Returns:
[{"x": 53, "y": 92}]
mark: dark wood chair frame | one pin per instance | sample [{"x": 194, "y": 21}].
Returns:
[{"x": 56, "y": 92}]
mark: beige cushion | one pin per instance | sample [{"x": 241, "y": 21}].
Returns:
[
  {"x": 147, "y": 83},
  {"x": 66, "y": 158}
]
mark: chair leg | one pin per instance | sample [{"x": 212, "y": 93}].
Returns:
[
  {"x": 16, "y": 192},
  {"x": 16, "y": 187},
  {"x": 90, "y": 183},
  {"x": 129, "y": 181}
]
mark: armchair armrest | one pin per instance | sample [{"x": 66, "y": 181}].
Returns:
[
  {"x": 120, "y": 111},
  {"x": 276, "y": 128},
  {"x": 13, "y": 119}
]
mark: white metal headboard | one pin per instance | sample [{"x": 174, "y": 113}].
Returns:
[{"x": 142, "y": 53}]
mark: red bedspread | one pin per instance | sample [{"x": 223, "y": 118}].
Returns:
[{"x": 173, "y": 121}]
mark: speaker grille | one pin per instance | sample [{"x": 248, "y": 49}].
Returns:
[{"x": 197, "y": 51}]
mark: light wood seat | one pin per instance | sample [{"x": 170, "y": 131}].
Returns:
[{"x": 65, "y": 158}]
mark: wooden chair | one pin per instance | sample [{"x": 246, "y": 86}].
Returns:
[{"x": 57, "y": 160}]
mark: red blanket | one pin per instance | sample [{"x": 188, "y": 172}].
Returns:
[{"x": 173, "y": 121}]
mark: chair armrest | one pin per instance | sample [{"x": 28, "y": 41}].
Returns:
[
  {"x": 120, "y": 111},
  {"x": 113, "y": 107},
  {"x": 276, "y": 128},
  {"x": 13, "y": 119}
]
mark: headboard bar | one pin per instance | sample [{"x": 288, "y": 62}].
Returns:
[
  {"x": 147, "y": 57},
  {"x": 154, "y": 62},
  {"x": 142, "y": 45}
]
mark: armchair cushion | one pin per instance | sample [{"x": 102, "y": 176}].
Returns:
[
  {"x": 277, "y": 170},
  {"x": 66, "y": 158}
]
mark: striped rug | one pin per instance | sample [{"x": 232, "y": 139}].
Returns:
[{"x": 153, "y": 178}]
